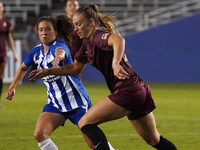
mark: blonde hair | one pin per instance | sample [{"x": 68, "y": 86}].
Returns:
[{"x": 104, "y": 21}]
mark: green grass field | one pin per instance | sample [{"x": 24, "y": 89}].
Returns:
[{"x": 177, "y": 116}]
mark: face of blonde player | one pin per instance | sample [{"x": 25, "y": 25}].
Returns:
[
  {"x": 46, "y": 32},
  {"x": 83, "y": 26},
  {"x": 1, "y": 8},
  {"x": 71, "y": 7}
]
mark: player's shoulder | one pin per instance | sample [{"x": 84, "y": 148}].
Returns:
[
  {"x": 6, "y": 19},
  {"x": 36, "y": 48},
  {"x": 101, "y": 35},
  {"x": 6, "y": 22},
  {"x": 59, "y": 41},
  {"x": 100, "y": 38}
]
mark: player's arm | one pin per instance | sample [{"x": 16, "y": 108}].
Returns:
[
  {"x": 16, "y": 80},
  {"x": 59, "y": 55},
  {"x": 118, "y": 44},
  {"x": 11, "y": 45},
  {"x": 72, "y": 69}
]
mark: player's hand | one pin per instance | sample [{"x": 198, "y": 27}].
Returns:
[
  {"x": 37, "y": 74},
  {"x": 119, "y": 72},
  {"x": 9, "y": 94},
  {"x": 56, "y": 61},
  {"x": 15, "y": 58}
]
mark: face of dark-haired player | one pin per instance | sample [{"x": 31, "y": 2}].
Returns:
[
  {"x": 84, "y": 27},
  {"x": 46, "y": 32}
]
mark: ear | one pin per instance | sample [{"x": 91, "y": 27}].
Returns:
[{"x": 91, "y": 22}]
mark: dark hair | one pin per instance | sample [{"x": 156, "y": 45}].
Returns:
[
  {"x": 63, "y": 25},
  {"x": 104, "y": 21}
]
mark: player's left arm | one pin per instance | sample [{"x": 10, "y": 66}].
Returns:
[
  {"x": 118, "y": 44},
  {"x": 59, "y": 55},
  {"x": 11, "y": 45}
]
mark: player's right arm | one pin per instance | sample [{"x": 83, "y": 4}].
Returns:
[
  {"x": 17, "y": 79},
  {"x": 72, "y": 69}
]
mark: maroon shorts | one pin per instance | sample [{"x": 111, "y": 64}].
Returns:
[
  {"x": 3, "y": 59},
  {"x": 137, "y": 100}
]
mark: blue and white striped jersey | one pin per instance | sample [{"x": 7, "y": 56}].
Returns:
[{"x": 64, "y": 92}]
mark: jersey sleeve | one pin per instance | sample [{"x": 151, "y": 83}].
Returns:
[
  {"x": 81, "y": 55},
  {"x": 9, "y": 29},
  {"x": 65, "y": 48},
  {"x": 29, "y": 58},
  {"x": 102, "y": 41}
]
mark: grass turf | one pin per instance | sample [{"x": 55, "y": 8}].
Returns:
[{"x": 177, "y": 117}]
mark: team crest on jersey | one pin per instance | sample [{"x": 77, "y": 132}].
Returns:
[
  {"x": 4, "y": 24},
  {"x": 104, "y": 36},
  {"x": 49, "y": 58}
]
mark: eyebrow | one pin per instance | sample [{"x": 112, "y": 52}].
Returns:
[{"x": 44, "y": 27}]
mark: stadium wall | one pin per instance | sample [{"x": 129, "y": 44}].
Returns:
[{"x": 165, "y": 53}]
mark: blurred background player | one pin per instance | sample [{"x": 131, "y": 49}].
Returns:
[
  {"x": 71, "y": 7},
  {"x": 5, "y": 35},
  {"x": 31, "y": 39}
]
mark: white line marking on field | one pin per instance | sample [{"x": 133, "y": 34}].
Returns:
[{"x": 109, "y": 135}]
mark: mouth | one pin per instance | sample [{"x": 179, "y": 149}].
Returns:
[
  {"x": 79, "y": 34},
  {"x": 44, "y": 37}
]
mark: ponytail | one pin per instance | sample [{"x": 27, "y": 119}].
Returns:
[
  {"x": 104, "y": 21},
  {"x": 64, "y": 28}
]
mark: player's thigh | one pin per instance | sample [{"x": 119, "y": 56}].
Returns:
[
  {"x": 48, "y": 122},
  {"x": 104, "y": 110},
  {"x": 146, "y": 128}
]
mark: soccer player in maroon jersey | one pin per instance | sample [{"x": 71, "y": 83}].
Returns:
[
  {"x": 130, "y": 95},
  {"x": 5, "y": 35}
]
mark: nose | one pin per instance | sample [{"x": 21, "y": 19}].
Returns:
[
  {"x": 75, "y": 28},
  {"x": 44, "y": 32}
]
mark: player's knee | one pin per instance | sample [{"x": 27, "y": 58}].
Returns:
[
  {"x": 40, "y": 136},
  {"x": 82, "y": 122}
]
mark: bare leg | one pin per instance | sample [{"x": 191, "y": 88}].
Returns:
[
  {"x": 46, "y": 124},
  {"x": 2, "y": 69},
  {"x": 146, "y": 128},
  {"x": 104, "y": 110}
]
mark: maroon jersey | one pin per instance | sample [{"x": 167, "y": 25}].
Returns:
[
  {"x": 99, "y": 54},
  {"x": 4, "y": 31},
  {"x": 76, "y": 44}
]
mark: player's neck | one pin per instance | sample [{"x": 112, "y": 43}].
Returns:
[
  {"x": 69, "y": 16},
  {"x": 46, "y": 48}
]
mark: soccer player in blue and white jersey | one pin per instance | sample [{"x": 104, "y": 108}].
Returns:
[{"x": 67, "y": 97}]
